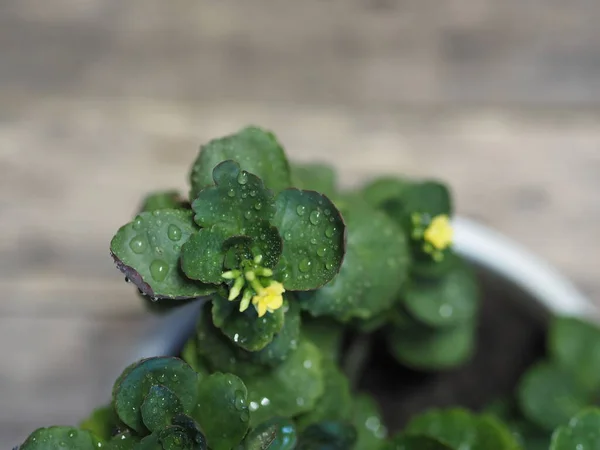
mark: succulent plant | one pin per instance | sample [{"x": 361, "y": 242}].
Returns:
[{"x": 296, "y": 275}]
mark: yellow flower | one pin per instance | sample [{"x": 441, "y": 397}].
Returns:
[
  {"x": 269, "y": 298},
  {"x": 439, "y": 233}
]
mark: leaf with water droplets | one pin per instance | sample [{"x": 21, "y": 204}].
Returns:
[
  {"x": 447, "y": 301},
  {"x": 229, "y": 202},
  {"x": 63, "y": 438},
  {"x": 375, "y": 267},
  {"x": 550, "y": 395},
  {"x": 330, "y": 435},
  {"x": 290, "y": 389},
  {"x": 336, "y": 401},
  {"x": 135, "y": 383},
  {"x": 424, "y": 348},
  {"x": 459, "y": 428},
  {"x": 192, "y": 430},
  {"x": 255, "y": 150},
  {"x": 163, "y": 200},
  {"x": 315, "y": 177},
  {"x": 575, "y": 345},
  {"x": 203, "y": 255},
  {"x": 368, "y": 421},
  {"x": 274, "y": 434},
  {"x": 581, "y": 433},
  {"x": 122, "y": 441},
  {"x": 147, "y": 251},
  {"x": 314, "y": 239},
  {"x": 245, "y": 329},
  {"x": 159, "y": 407},
  {"x": 222, "y": 410}
]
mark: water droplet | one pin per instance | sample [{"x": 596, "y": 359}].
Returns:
[
  {"x": 243, "y": 177},
  {"x": 265, "y": 401},
  {"x": 73, "y": 434},
  {"x": 329, "y": 265},
  {"x": 329, "y": 231},
  {"x": 156, "y": 213},
  {"x": 307, "y": 364},
  {"x": 248, "y": 215},
  {"x": 315, "y": 217},
  {"x": 263, "y": 237},
  {"x": 138, "y": 223},
  {"x": 327, "y": 212},
  {"x": 301, "y": 209},
  {"x": 231, "y": 193},
  {"x": 321, "y": 251},
  {"x": 446, "y": 310},
  {"x": 239, "y": 401},
  {"x": 304, "y": 265},
  {"x": 373, "y": 423},
  {"x": 177, "y": 248},
  {"x": 300, "y": 401},
  {"x": 138, "y": 245},
  {"x": 313, "y": 241},
  {"x": 287, "y": 236},
  {"x": 236, "y": 337},
  {"x": 159, "y": 270},
  {"x": 244, "y": 195},
  {"x": 253, "y": 406},
  {"x": 174, "y": 232},
  {"x": 244, "y": 416},
  {"x": 253, "y": 193},
  {"x": 258, "y": 206}
]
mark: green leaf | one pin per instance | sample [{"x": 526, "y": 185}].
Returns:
[
  {"x": 122, "y": 441},
  {"x": 101, "y": 423},
  {"x": 314, "y": 239},
  {"x": 220, "y": 353},
  {"x": 575, "y": 345},
  {"x": 412, "y": 442},
  {"x": 236, "y": 201},
  {"x": 328, "y": 436},
  {"x": 192, "y": 429},
  {"x": 582, "y": 432},
  {"x": 326, "y": 334},
  {"x": 315, "y": 177},
  {"x": 336, "y": 402},
  {"x": 175, "y": 437},
  {"x": 60, "y": 438},
  {"x": 147, "y": 251},
  {"x": 448, "y": 301},
  {"x": 275, "y": 434},
  {"x": 386, "y": 194},
  {"x": 159, "y": 407},
  {"x": 222, "y": 410},
  {"x": 429, "y": 197},
  {"x": 288, "y": 390},
  {"x": 549, "y": 395},
  {"x": 246, "y": 329},
  {"x": 163, "y": 200},
  {"x": 131, "y": 389},
  {"x": 203, "y": 255},
  {"x": 462, "y": 430},
  {"x": 190, "y": 355},
  {"x": 375, "y": 267},
  {"x": 256, "y": 150},
  {"x": 284, "y": 342},
  {"x": 367, "y": 419},
  {"x": 432, "y": 349}
]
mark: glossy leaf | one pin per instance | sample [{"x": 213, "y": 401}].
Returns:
[
  {"x": 549, "y": 395},
  {"x": 159, "y": 407},
  {"x": 147, "y": 251},
  {"x": 255, "y": 150},
  {"x": 314, "y": 239},
  {"x": 275, "y": 434},
  {"x": 375, "y": 267},
  {"x": 328, "y": 436},
  {"x": 413, "y": 442},
  {"x": 432, "y": 349},
  {"x": 60, "y": 438},
  {"x": 175, "y": 437},
  {"x": 101, "y": 423},
  {"x": 246, "y": 329},
  {"x": 575, "y": 345},
  {"x": 288, "y": 390},
  {"x": 368, "y": 422},
  {"x": 222, "y": 410},
  {"x": 336, "y": 402},
  {"x": 448, "y": 301},
  {"x": 315, "y": 177},
  {"x": 192, "y": 430},
  {"x": 285, "y": 341},
  {"x": 203, "y": 255},
  {"x": 582, "y": 432},
  {"x": 236, "y": 201},
  {"x": 163, "y": 200},
  {"x": 131, "y": 390}
]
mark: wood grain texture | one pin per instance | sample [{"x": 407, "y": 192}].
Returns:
[{"x": 105, "y": 99}]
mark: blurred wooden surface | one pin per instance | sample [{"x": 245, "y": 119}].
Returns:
[{"x": 104, "y": 99}]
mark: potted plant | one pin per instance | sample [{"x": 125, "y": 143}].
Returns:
[{"x": 306, "y": 292}]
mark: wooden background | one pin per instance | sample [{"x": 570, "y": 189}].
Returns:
[{"x": 103, "y": 99}]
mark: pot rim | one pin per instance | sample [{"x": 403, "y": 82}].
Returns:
[{"x": 477, "y": 243}]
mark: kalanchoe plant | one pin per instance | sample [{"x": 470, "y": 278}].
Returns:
[{"x": 295, "y": 276}]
